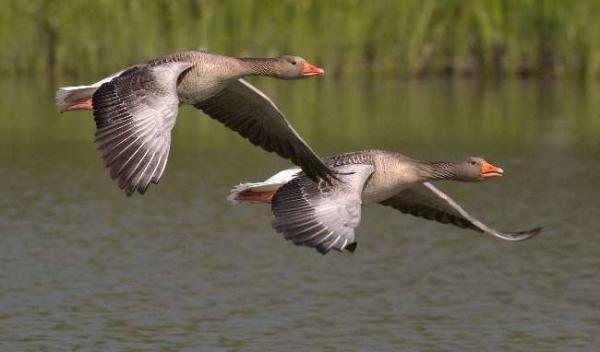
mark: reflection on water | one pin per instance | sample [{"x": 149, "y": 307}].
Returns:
[{"x": 179, "y": 268}]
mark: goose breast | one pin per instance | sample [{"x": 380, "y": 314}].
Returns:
[
  {"x": 390, "y": 177},
  {"x": 209, "y": 75}
]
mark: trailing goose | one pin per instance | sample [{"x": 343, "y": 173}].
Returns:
[
  {"x": 135, "y": 110},
  {"x": 324, "y": 216}
]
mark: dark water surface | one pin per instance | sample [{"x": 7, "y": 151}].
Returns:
[{"x": 83, "y": 267}]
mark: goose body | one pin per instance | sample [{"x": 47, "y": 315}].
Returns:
[
  {"x": 135, "y": 110},
  {"x": 323, "y": 216}
]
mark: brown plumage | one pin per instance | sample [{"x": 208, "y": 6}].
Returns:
[
  {"x": 324, "y": 216},
  {"x": 135, "y": 110}
]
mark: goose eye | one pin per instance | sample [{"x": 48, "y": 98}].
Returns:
[
  {"x": 293, "y": 62},
  {"x": 473, "y": 162}
]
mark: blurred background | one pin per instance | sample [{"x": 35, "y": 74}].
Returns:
[
  {"x": 501, "y": 38},
  {"x": 83, "y": 267}
]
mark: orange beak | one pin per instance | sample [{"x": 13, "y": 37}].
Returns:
[
  {"x": 310, "y": 70},
  {"x": 488, "y": 170}
]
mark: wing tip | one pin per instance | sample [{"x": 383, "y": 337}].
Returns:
[
  {"x": 522, "y": 235},
  {"x": 532, "y": 232},
  {"x": 130, "y": 191},
  {"x": 322, "y": 250},
  {"x": 351, "y": 247}
]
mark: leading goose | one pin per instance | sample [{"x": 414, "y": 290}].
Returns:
[
  {"x": 324, "y": 216},
  {"x": 135, "y": 110}
]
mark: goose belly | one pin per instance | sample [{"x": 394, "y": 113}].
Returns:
[
  {"x": 375, "y": 194},
  {"x": 199, "y": 89},
  {"x": 389, "y": 178}
]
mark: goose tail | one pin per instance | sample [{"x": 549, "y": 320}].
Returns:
[
  {"x": 75, "y": 97},
  {"x": 261, "y": 192},
  {"x": 79, "y": 97}
]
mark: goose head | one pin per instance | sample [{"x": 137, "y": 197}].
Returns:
[
  {"x": 476, "y": 169},
  {"x": 295, "y": 67}
]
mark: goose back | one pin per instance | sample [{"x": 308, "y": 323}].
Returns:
[{"x": 209, "y": 74}]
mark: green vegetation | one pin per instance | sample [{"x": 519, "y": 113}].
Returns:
[{"x": 348, "y": 37}]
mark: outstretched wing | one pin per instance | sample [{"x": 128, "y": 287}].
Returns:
[
  {"x": 135, "y": 113},
  {"x": 427, "y": 201},
  {"x": 320, "y": 215},
  {"x": 249, "y": 112}
]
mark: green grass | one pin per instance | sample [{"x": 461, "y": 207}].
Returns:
[{"x": 349, "y": 38}]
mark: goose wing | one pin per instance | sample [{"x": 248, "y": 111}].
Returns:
[
  {"x": 135, "y": 113},
  {"x": 427, "y": 201},
  {"x": 249, "y": 112},
  {"x": 321, "y": 215}
]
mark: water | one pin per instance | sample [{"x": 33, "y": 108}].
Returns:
[{"x": 83, "y": 267}]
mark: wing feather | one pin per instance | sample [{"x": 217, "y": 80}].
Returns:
[
  {"x": 319, "y": 215},
  {"x": 135, "y": 113},
  {"x": 427, "y": 201},
  {"x": 248, "y": 111}
]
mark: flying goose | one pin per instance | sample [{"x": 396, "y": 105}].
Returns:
[
  {"x": 324, "y": 216},
  {"x": 135, "y": 110}
]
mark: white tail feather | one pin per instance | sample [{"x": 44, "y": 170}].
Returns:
[
  {"x": 271, "y": 184},
  {"x": 66, "y": 96}
]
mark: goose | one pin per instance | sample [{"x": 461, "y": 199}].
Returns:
[
  {"x": 135, "y": 110},
  {"x": 324, "y": 216}
]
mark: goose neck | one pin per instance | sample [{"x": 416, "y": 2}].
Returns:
[
  {"x": 254, "y": 66},
  {"x": 439, "y": 170}
]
